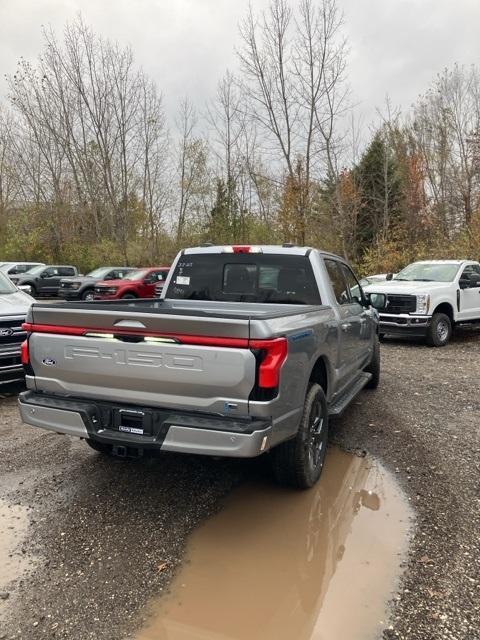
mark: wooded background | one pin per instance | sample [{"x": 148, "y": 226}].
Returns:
[{"x": 92, "y": 172}]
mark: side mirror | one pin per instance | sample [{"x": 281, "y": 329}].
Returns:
[
  {"x": 44, "y": 275},
  {"x": 470, "y": 281},
  {"x": 377, "y": 300},
  {"x": 389, "y": 276},
  {"x": 474, "y": 280},
  {"x": 149, "y": 280}
]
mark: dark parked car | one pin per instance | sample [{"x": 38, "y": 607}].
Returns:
[
  {"x": 83, "y": 287},
  {"x": 44, "y": 281}
]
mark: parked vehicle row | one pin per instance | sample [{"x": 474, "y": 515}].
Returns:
[
  {"x": 248, "y": 350},
  {"x": 64, "y": 281}
]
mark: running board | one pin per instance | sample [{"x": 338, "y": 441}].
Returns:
[{"x": 341, "y": 403}]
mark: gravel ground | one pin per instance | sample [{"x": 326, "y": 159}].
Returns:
[
  {"x": 423, "y": 423},
  {"x": 108, "y": 535}
]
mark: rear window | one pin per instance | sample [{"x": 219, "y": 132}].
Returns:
[{"x": 275, "y": 279}]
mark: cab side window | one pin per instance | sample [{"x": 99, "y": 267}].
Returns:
[
  {"x": 66, "y": 271},
  {"x": 337, "y": 280},
  {"x": 352, "y": 284},
  {"x": 470, "y": 269}
]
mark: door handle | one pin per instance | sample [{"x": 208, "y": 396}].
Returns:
[{"x": 346, "y": 326}]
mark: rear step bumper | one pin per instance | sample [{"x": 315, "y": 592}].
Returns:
[{"x": 166, "y": 430}]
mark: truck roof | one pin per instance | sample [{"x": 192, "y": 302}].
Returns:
[
  {"x": 260, "y": 248},
  {"x": 443, "y": 261}
]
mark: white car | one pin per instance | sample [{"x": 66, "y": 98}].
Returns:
[
  {"x": 15, "y": 268},
  {"x": 429, "y": 298},
  {"x": 14, "y": 305}
]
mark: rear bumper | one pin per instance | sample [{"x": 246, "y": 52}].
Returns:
[
  {"x": 404, "y": 324},
  {"x": 11, "y": 369},
  {"x": 177, "y": 431}
]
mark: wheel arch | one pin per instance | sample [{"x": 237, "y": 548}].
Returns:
[
  {"x": 320, "y": 373},
  {"x": 447, "y": 309}
]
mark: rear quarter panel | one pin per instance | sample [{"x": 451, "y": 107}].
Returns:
[{"x": 310, "y": 335}]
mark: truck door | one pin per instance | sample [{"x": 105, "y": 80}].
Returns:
[
  {"x": 50, "y": 281},
  {"x": 361, "y": 317},
  {"x": 353, "y": 342},
  {"x": 469, "y": 302}
]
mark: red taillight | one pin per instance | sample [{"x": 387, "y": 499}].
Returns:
[
  {"x": 275, "y": 354},
  {"x": 241, "y": 248},
  {"x": 24, "y": 354}
]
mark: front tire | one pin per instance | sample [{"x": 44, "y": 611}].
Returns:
[
  {"x": 440, "y": 330},
  {"x": 299, "y": 462},
  {"x": 88, "y": 295},
  {"x": 129, "y": 296}
]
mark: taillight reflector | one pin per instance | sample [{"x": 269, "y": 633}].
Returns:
[
  {"x": 275, "y": 354},
  {"x": 24, "y": 354}
]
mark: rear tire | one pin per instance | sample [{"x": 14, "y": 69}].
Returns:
[
  {"x": 374, "y": 366},
  {"x": 299, "y": 462},
  {"x": 440, "y": 330}
]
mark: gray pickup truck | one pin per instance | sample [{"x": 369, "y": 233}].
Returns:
[{"x": 249, "y": 350}]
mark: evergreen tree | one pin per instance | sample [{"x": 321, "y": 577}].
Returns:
[{"x": 379, "y": 177}]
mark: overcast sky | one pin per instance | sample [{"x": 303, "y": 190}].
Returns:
[{"x": 396, "y": 46}]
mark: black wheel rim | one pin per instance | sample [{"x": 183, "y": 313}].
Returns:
[{"x": 315, "y": 437}]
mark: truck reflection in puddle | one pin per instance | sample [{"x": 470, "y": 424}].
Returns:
[{"x": 277, "y": 564}]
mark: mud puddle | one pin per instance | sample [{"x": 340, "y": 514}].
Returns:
[
  {"x": 284, "y": 565},
  {"x": 13, "y": 527},
  {"x": 13, "y": 563}
]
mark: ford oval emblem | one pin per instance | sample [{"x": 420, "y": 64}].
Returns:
[
  {"x": 49, "y": 362},
  {"x": 6, "y": 333}
]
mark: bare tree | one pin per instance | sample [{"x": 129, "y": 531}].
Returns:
[
  {"x": 446, "y": 126},
  {"x": 193, "y": 180},
  {"x": 98, "y": 128},
  {"x": 293, "y": 65}
]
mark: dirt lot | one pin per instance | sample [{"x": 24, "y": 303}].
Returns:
[{"x": 100, "y": 529}]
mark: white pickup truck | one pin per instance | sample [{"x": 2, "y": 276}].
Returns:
[{"x": 429, "y": 299}]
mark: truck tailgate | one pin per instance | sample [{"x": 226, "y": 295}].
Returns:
[{"x": 143, "y": 358}]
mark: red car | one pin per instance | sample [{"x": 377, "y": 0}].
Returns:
[{"x": 138, "y": 284}]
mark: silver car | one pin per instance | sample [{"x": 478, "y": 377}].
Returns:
[{"x": 14, "y": 305}]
